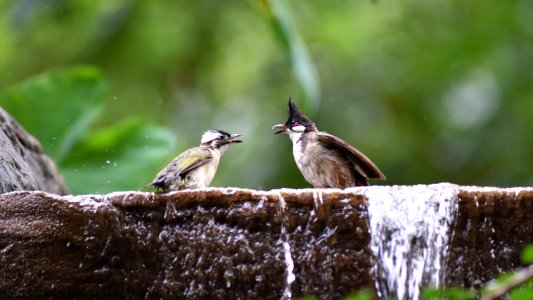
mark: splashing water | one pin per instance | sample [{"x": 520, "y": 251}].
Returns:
[
  {"x": 409, "y": 237},
  {"x": 287, "y": 294}
]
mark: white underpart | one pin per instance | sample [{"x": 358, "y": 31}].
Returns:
[
  {"x": 209, "y": 136},
  {"x": 205, "y": 173},
  {"x": 296, "y": 145},
  {"x": 221, "y": 149}
]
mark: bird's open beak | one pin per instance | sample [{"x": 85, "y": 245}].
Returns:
[
  {"x": 233, "y": 137},
  {"x": 282, "y": 127}
]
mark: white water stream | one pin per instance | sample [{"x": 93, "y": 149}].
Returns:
[
  {"x": 287, "y": 293},
  {"x": 409, "y": 236}
]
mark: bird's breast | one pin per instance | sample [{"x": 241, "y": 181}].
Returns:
[
  {"x": 205, "y": 173},
  {"x": 298, "y": 152}
]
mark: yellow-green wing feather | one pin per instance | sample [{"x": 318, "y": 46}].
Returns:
[
  {"x": 185, "y": 162},
  {"x": 192, "y": 159}
]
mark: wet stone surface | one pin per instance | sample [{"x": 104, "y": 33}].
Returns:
[
  {"x": 493, "y": 226},
  {"x": 246, "y": 244},
  {"x": 219, "y": 243}
]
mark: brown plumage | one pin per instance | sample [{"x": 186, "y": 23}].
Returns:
[{"x": 325, "y": 160}]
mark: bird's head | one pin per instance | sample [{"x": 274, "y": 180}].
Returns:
[
  {"x": 297, "y": 122},
  {"x": 219, "y": 139}
]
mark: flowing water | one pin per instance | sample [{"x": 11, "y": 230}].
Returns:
[
  {"x": 287, "y": 293},
  {"x": 409, "y": 236}
]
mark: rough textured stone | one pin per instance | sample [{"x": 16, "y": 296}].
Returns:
[
  {"x": 230, "y": 243},
  {"x": 23, "y": 165},
  {"x": 216, "y": 244},
  {"x": 493, "y": 226}
]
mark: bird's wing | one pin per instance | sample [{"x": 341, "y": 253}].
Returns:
[
  {"x": 185, "y": 162},
  {"x": 361, "y": 163},
  {"x": 192, "y": 159}
]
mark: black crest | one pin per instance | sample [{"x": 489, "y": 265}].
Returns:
[
  {"x": 293, "y": 109},
  {"x": 223, "y": 133},
  {"x": 296, "y": 116}
]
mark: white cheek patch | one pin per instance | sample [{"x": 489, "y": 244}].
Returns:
[
  {"x": 209, "y": 136},
  {"x": 299, "y": 128}
]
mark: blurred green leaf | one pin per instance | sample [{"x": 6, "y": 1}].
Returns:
[
  {"x": 448, "y": 293},
  {"x": 431, "y": 293},
  {"x": 527, "y": 254},
  {"x": 308, "y": 297},
  {"x": 360, "y": 295},
  {"x": 122, "y": 157},
  {"x": 296, "y": 51},
  {"x": 57, "y": 107},
  {"x": 522, "y": 293}
]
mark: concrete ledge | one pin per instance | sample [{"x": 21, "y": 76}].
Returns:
[{"x": 238, "y": 243}]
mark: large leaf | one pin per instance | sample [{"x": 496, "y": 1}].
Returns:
[
  {"x": 123, "y": 157},
  {"x": 57, "y": 107}
]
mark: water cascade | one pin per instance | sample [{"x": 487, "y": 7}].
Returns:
[
  {"x": 410, "y": 229},
  {"x": 287, "y": 294}
]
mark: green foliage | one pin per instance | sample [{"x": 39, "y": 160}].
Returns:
[
  {"x": 58, "y": 108},
  {"x": 527, "y": 254},
  {"x": 449, "y": 294},
  {"x": 308, "y": 297},
  {"x": 360, "y": 295},
  {"x": 514, "y": 283},
  {"x": 120, "y": 157},
  {"x": 522, "y": 293},
  {"x": 296, "y": 50},
  {"x": 430, "y": 91},
  {"x": 518, "y": 285}
]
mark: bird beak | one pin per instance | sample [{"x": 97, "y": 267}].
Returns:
[
  {"x": 233, "y": 137},
  {"x": 282, "y": 127}
]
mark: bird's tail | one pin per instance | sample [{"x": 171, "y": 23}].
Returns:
[
  {"x": 150, "y": 187},
  {"x": 360, "y": 180}
]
